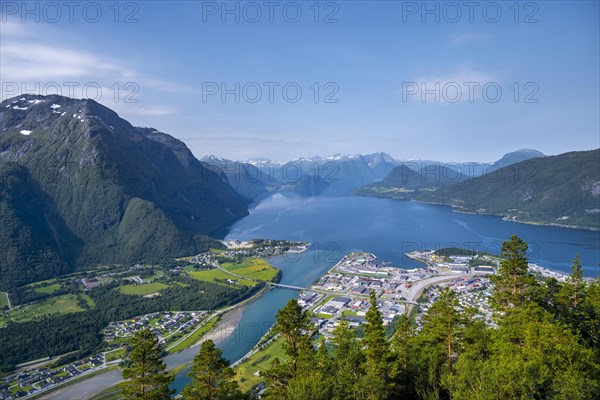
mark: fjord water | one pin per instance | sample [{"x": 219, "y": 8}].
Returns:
[{"x": 387, "y": 228}]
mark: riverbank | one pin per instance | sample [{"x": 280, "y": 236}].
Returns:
[{"x": 85, "y": 389}]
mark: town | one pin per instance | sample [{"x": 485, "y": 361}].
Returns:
[
  {"x": 162, "y": 325},
  {"x": 343, "y": 292},
  {"x": 238, "y": 263}
]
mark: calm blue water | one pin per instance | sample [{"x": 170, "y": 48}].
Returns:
[{"x": 388, "y": 228}]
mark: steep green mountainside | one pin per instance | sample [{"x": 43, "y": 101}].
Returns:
[
  {"x": 34, "y": 240},
  {"x": 562, "y": 189},
  {"x": 123, "y": 194}
]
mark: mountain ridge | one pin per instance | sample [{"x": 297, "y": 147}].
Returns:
[
  {"x": 562, "y": 190},
  {"x": 127, "y": 194}
]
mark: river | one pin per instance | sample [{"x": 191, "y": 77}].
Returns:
[{"x": 388, "y": 228}]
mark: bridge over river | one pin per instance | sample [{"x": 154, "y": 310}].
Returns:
[{"x": 298, "y": 288}]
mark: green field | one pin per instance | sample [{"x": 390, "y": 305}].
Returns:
[
  {"x": 252, "y": 268},
  {"x": 88, "y": 300},
  {"x": 247, "y": 372},
  {"x": 47, "y": 289},
  {"x": 41, "y": 283},
  {"x": 64, "y": 304},
  {"x": 3, "y": 300},
  {"x": 209, "y": 275},
  {"x": 115, "y": 354},
  {"x": 143, "y": 289}
]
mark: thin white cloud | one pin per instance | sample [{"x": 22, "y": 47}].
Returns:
[
  {"x": 462, "y": 84},
  {"x": 30, "y": 62},
  {"x": 154, "y": 111},
  {"x": 38, "y": 58}
]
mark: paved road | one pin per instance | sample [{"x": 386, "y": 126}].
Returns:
[
  {"x": 415, "y": 290},
  {"x": 86, "y": 388},
  {"x": 216, "y": 264}
]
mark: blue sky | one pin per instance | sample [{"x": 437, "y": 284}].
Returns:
[{"x": 414, "y": 79}]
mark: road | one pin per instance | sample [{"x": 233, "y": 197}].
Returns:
[
  {"x": 87, "y": 387},
  {"x": 414, "y": 292},
  {"x": 216, "y": 264}
]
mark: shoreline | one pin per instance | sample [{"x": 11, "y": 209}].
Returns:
[
  {"x": 231, "y": 316},
  {"x": 464, "y": 211},
  {"x": 504, "y": 217}
]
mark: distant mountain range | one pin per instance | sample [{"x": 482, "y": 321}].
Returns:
[
  {"x": 560, "y": 190},
  {"x": 80, "y": 186},
  {"x": 331, "y": 175},
  {"x": 341, "y": 174},
  {"x": 427, "y": 175}
]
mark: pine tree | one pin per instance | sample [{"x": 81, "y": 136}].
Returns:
[
  {"x": 146, "y": 378},
  {"x": 534, "y": 356},
  {"x": 437, "y": 346},
  {"x": 513, "y": 284},
  {"x": 401, "y": 366},
  {"x": 348, "y": 361},
  {"x": 442, "y": 323},
  {"x": 322, "y": 360},
  {"x": 377, "y": 355},
  {"x": 277, "y": 378},
  {"x": 576, "y": 282},
  {"x": 212, "y": 378},
  {"x": 294, "y": 326},
  {"x": 463, "y": 381},
  {"x": 315, "y": 381}
]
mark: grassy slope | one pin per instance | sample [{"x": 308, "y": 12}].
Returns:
[
  {"x": 254, "y": 269},
  {"x": 247, "y": 372},
  {"x": 211, "y": 274},
  {"x": 143, "y": 289},
  {"x": 64, "y": 304},
  {"x": 47, "y": 289}
]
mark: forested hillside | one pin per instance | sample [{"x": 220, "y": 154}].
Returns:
[{"x": 562, "y": 189}]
